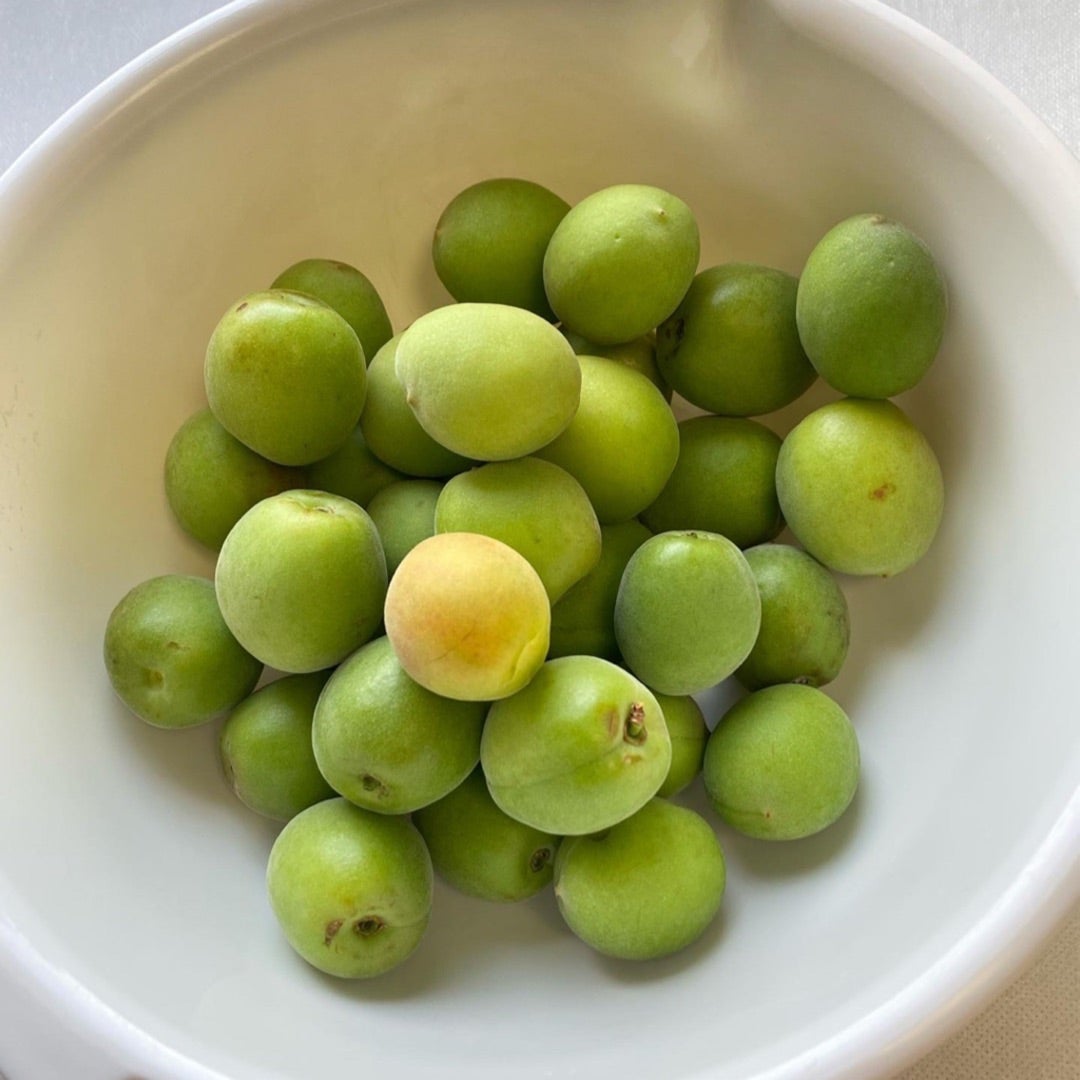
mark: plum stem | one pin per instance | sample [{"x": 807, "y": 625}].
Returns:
[
  {"x": 373, "y": 784},
  {"x": 540, "y": 858},
  {"x": 634, "y": 730}
]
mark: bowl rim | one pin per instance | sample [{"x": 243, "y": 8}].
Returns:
[{"x": 1008, "y": 936}]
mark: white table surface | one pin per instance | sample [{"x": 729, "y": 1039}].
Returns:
[{"x": 54, "y": 51}]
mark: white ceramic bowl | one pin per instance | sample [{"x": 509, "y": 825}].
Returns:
[{"x": 131, "y": 882}]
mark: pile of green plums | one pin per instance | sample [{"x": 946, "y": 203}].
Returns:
[{"x": 490, "y": 569}]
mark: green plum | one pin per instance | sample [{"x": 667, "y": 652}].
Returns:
[
  {"x": 170, "y": 656},
  {"x": 686, "y": 727},
  {"x": 620, "y": 261},
  {"x": 480, "y": 850},
  {"x": 805, "y": 626},
  {"x": 688, "y": 611},
  {"x": 350, "y": 889},
  {"x": 647, "y": 887},
  {"x": 404, "y": 514},
  {"x": 301, "y": 580},
  {"x": 386, "y": 743},
  {"x": 622, "y": 444},
  {"x": 346, "y": 290},
  {"x": 540, "y": 510},
  {"x": 468, "y": 617},
  {"x": 490, "y": 241},
  {"x": 732, "y": 346},
  {"x": 583, "y": 621},
  {"x": 351, "y": 471},
  {"x": 860, "y": 487},
  {"x": 265, "y": 748},
  {"x": 212, "y": 479},
  {"x": 724, "y": 482},
  {"x": 871, "y": 307},
  {"x": 783, "y": 763},
  {"x": 391, "y": 428},
  {"x": 581, "y": 747},
  {"x": 640, "y": 354},
  {"x": 488, "y": 381},
  {"x": 285, "y": 375}
]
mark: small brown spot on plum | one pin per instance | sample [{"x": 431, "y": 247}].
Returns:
[
  {"x": 614, "y": 723},
  {"x": 173, "y": 646},
  {"x": 240, "y": 307},
  {"x": 880, "y": 494},
  {"x": 332, "y": 927}
]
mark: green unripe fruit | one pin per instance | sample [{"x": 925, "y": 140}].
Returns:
[
  {"x": 646, "y": 888},
  {"x": 687, "y": 613},
  {"x": 265, "y": 748},
  {"x": 783, "y": 763},
  {"x": 352, "y": 471},
  {"x": 724, "y": 482},
  {"x": 581, "y": 747},
  {"x": 860, "y": 487},
  {"x": 301, "y": 580},
  {"x": 622, "y": 444},
  {"x": 536, "y": 508},
  {"x": 804, "y": 620},
  {"x": 386, "y": 743},
  {"x": 349, "y": 292},
  {"x": 620, "y": 262},
  {"x": 285, "y": 375},
  {"x": 170, "y": 656},
  {"x": 490, "y": 241},
  {"x": 391, "y": 428},
  {"x": 583, "y": 621},
  {"x": 732, "y": 346},
  {"x": 481, "y": 851},
  {"x": 871, "y": 307},
  {"x": 351, "y": 889},
  {"x": 488, "y": 381},
  {"x": 212, "y": 479},
  {"x": 639, "y": 354},
  {"x": 404, "y": 514},
  {"x": 686, "y": 727}
]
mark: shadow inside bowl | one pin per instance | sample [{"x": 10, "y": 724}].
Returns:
[
  {"x": 484, "y": 934},
  {"x": 892, "y": 616},
  {"x": 635, "y": 972},
  {"x": 772, "y": 859}
]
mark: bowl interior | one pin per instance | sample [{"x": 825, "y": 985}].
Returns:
[{"x": 342, "y": 129}]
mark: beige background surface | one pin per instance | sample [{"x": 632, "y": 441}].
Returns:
[
  {"x": 1031, "y": 1032},
  {"x": 53, "y": 51}
]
